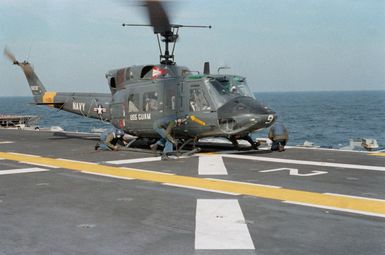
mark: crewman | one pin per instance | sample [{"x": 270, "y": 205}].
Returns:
[
  {"x": 279, "y": 135},
  {"x": 164, "y": 128},
  {"x": 110, "y": 141}
]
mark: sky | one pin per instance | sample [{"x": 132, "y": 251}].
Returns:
[{"x": 279, "y": 45}]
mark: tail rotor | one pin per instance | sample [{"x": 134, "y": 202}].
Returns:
[
  {"x": 10, "y": 56},
  {"x": 35, "y": 84}
]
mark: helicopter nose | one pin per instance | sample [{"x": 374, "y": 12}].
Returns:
[{"x": 244, "y": 114}]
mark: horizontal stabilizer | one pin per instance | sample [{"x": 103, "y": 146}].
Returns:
[{"x": 56, "y": 105}]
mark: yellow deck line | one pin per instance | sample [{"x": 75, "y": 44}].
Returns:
[
  {"x": 376, "y": 207},
  {"x": 380, "y": 154}
]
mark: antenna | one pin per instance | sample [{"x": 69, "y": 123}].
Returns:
[
  {"x": 29, "y": 52},
  {"x": 222, "y": 68}
]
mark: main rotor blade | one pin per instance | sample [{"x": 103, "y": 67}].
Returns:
[
  {"x": 158, "y": 16},
  {"x": 9, "y": 55}
]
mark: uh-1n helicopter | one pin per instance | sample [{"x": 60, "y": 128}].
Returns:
[{"x": 217, "y": 105}]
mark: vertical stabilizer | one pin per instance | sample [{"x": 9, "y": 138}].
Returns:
[
  {"x": 37, "y": 88},
  {"x": 39, "y": 93}
]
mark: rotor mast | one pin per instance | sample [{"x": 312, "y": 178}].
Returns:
[
  {"x": 170, "y": 36},
  {"x": 159, "y": 20}
]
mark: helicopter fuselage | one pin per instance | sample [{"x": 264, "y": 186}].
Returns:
[{"x": 217, "y": 105}]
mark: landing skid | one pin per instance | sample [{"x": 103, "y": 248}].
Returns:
[
  {"x": 141, "y": 150},
  {"x": 185, "y": 153},
  {"x": 128, "y": 147},
  {"x": 179, "y": 152}
]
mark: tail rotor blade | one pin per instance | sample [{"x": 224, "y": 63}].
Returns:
[{"x": 10, "y": 56}]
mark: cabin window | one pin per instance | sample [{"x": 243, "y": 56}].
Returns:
[
  {"x": 170, "y": 99},
  {"x": 150, "y": 101},
  {"x": 133, "y": 103},
  {"x": 197, "y": 101},
  {"x": 112, "y": 83},
  {"x": 117, "y": 111},
  {"x": 129, "y": 74}
]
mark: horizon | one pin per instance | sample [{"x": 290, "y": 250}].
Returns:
[{"x": 267, "y": 92}]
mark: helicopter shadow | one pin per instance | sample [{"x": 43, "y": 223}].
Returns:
[
  {"x": 67, "y": 135},
  {"x": 144, "y": 144},
  {"x": 253, "y": 152},
  {"x": 229, "y": 149}
]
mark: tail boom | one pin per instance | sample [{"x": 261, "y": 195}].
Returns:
[{"x": 90, "y": 105}]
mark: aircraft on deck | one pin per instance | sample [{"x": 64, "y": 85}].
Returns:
[{"x": 217, "y": 105}]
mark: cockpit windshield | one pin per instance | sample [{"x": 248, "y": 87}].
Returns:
[
  {"x": 232, "y": 85},
  {"x": 228, "y": 87},
  {"x": 242, "y": 87}
]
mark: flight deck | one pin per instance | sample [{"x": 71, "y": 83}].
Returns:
[{"x": 60, "y": 196}]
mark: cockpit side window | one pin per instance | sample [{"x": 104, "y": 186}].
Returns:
[
  {"x": 217, "y": 93},
  {"x": 112, "y": 83},
  {"x": 198, "y": 101},
  {"x": 221, "y": 88},
  {"x": 133, "y": 103},
  {"x": 150, "y": 101}
]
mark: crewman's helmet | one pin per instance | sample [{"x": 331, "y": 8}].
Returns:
[
  {"x": 182, "y": 121},
  {"x": 119, "y": 133}
]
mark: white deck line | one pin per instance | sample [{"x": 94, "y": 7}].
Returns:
[
  {"x": 131, "y": 161},
  {"x": 220, "y": 225},
  {"x": 336, "y": 209},
  {"x": 248, "y": 183},
  {"x": 366, "y": 198},
  {"x": 38, "y": 164},
  {"x": 306, "y": 162},
  {"x": 145, "y": 171},
  {"x": 77, "y": 161},
  {"x": 202, "y": 189},
  {"x": 211, "y": 165},
  {"x": 24, "y": 154},
  {"x": 6, "y": 142},
  {"x": 108, "y": 175},
  {"x": 23, "y": 170}
]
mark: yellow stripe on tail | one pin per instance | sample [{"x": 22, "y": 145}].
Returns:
[{"x": 49, "y": 98}]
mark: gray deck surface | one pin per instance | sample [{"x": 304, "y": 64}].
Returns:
[{"x": 61, "y": 211}]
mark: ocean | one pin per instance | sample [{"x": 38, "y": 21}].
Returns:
[
  {"x": 330, "y": 118},
  {"x": 327, "y": 119}
]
